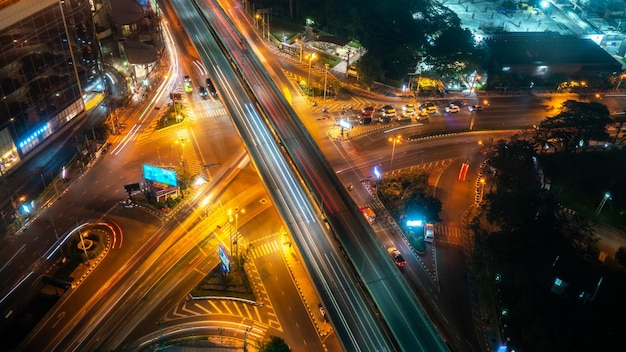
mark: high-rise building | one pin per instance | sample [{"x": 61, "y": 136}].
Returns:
[{"x": 48, "y": 60}]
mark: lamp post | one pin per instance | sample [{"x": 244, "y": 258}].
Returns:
[
  {"x": 325, "y": 74},
  {"x": 308, "y": 82},
  {"x": 233, "y": 217},
  {"x": 299, "y": 41},
  {"x": 82, "y": 242},
  {"x": 607, "y": 196},
  {"x": 393, "y": 141}
]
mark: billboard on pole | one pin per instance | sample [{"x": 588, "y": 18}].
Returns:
[{"x": 156, "y": 174}]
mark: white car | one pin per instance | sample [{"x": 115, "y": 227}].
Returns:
[
  {"x": 453, "y": 108},
  {"x": 429, "y": 233},
  {"x": 474, "y": 108}
]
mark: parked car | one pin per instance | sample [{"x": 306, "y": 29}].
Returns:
[
  {"x": 453, "y": 109},
  {"x": 386, "y": 108},
  {"x": 429, "y": 232},
  {"x": 408, "y": 113},
  {"x": 429, "y": 108},
  {"x": 364, "y": 119},
  {"x": 474, "y": 108},
  {"x": 368, "y": 110}
]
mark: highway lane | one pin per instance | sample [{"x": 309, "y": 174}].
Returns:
[
  {"x": 446, "y": 296},
  {"x": 397, "y": 305},
  {"x": 294, "y": 203}
]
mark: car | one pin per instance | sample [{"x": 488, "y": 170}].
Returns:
[
  {"x": 453, "y": 109},
  {"x": 384, "y": 119},
  {"x": 474, "y": 108},
  {"x": 364, "y": 119},
  {"x": 422, "y": 116},
  {"x": 429, "y": 233},
  {"x": 322, "y": 311},
  {"x": 408, "y": 107},
  {"x": 210, "y": 87},
  {"x": 397, "y": 257},
  {"x": 387, "y": 107},
  {"x": 391, "y": 113},
  {"x": 187, "y": 84},
  {"x": 426, "y": 105},
  {"x": 459, "y": 103},
  {"x": 368, "y": 110},
  {"x": 203, "y": 92},
  {"x": 408, "y": 113},
  {"x": 430, "y": 110}
]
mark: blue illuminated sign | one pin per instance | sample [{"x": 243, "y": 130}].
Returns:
[
  {"x": 377, "y": 172},
  {"x": 224, "y": 258},
  {"x": 152, "y": 173}
]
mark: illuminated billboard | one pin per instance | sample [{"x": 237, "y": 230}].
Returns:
[
  {"x": 224, "y": 258},
  {"x": 152, "y": 173}
]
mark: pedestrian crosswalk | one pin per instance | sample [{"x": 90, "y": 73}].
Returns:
[
  {"x": 449, "y": 232},
  {"x": 265, "y": 249}
]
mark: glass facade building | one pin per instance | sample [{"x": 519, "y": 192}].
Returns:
[{"x": 48, "y": 58}]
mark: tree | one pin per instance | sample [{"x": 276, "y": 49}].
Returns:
[
  {"x": 454, "y": 53},
  {"x": 407, "y": 193},
  {"x": 275, "y": 344},
  {"x": 576, "y": 125},
  {"x": 620, "y": 255},
  {"x": 515, "y": 164}
]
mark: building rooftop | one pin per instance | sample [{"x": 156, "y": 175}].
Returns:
[{"x": 541, "y": 48}]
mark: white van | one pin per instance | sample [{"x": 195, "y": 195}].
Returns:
[{"x": 429, "y": 233}]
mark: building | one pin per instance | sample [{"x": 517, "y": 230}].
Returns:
[
  {"x": 545, "y": 56},
  {"x": 48, "y": 59}
]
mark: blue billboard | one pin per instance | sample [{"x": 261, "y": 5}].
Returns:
[
  {"x": 152, "y": 173},
  {"x": 224, "y": 258}
]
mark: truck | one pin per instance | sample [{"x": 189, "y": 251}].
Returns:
[{"x": 369, "y": 214}]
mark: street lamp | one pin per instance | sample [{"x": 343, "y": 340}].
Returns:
[
  {"x": 308, "y": 83},
  {"x": 393, "y": 141},
  {"x": 325, "y": 74},
  {"x": 233, "y": 217},
  {"x": 299, "y": 41},
  {"x": 607, "y": 196}
]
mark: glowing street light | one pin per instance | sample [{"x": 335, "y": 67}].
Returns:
[
  {"x": 308, "y": 83},
  {"x": 299, "y": 41},
  {"x": 607, "y": 196},
  {"x": 393, "y": 141}
]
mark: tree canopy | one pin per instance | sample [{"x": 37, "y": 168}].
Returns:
[
  {"x": 406, "y": 194},
  {"x": 396, "y": 34},
  {"x": 274, "y": 344},
  {"x": 574, "y": 126}
]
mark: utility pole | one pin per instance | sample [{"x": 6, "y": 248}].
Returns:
[{"x": 325, "y": 75}]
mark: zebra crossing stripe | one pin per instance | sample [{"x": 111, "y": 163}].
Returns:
[
  {"x": 225, "y": 305},
  {"x": 214, "y": 306},
  {"x": 202, "y": 308}
]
